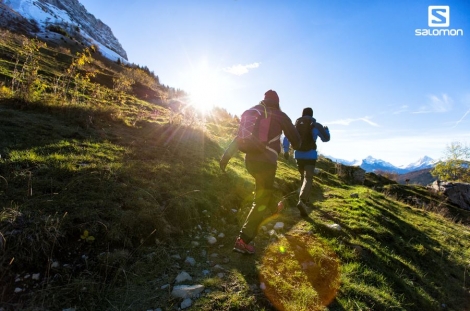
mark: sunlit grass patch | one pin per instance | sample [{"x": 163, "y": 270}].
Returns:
[
  {"x": 299, "y": 272},
  {"x": 65, "y": 152},
  {"x": 233, "y": 293}
]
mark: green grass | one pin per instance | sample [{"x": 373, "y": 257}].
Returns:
[{"x": 146, "y": 190}]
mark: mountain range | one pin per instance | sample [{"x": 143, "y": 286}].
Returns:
[{"x": 371, "y": 164}]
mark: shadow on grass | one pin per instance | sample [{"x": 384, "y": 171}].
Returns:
[
  {"x": 64, "y": 177},
  {"x": 403, "y": 254}
]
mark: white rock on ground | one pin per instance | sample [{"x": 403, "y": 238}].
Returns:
[
  {"x": 278, "y": 225},
  {"x": 183, "y": 276},
  {"x": 187, "y": 291},
  {"x": 191, "y": 261},
  {"x": 186, "y": 303},
  {"x": 335, "y": 227},
  {"x": 219, "y": 267},
  {"x": 211, "y": 240}
]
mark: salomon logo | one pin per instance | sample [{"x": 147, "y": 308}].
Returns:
[
  {"x": 438, "y": 16},
  {"x": 439, "y": 20}
]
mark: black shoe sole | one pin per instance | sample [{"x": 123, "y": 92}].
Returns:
[{"x": 302, "y": 211}]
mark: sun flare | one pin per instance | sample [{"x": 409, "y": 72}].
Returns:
[{"x": 205, "y": 87}]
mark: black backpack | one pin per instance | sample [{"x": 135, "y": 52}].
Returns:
[{"x": 304, "y": 126}]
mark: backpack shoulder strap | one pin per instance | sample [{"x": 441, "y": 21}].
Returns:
[{"x": 263, "y": 107}]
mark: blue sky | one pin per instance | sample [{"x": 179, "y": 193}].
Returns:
[{"x": 382, "y": 90}]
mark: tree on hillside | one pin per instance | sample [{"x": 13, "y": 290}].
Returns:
[
  {"x": 27, "y": 84},
  {"x": 456, "y": 165},
  {"x": 122, "y": 84}
]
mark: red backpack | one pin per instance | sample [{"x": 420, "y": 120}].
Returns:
[{"x": 252, "y": 136}]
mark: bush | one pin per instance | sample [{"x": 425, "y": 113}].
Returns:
[
  {"x": 5, "y": 92},
  {"x": 57, "y": 29}
]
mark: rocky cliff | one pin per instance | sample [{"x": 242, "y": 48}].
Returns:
[
  {"x": 39, "y": 15},
  {"x": 457, "y": 193}
]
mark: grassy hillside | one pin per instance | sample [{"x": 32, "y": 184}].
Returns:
[{"x": 104, "y": 203}]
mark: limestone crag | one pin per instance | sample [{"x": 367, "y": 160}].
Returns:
[
  {"x": 456, "y": 193},
  {"x": 38, "y": 16}
]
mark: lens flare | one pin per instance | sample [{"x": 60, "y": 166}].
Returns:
[{"x": 300, "y": 273}]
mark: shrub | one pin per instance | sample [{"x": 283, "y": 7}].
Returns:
[{"x": 57, "y": 29}]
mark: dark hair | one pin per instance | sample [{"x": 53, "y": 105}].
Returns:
[
  {"x": 307, "y": 112},
  {"x": 271, "y": 99}
]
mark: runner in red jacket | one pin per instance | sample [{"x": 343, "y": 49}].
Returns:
[{"x": 262, "y": 166}]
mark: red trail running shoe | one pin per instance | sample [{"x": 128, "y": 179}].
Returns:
[{"x": 242, "y": 247}]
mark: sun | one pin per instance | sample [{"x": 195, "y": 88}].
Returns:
[{"x": 205, "y": 87}]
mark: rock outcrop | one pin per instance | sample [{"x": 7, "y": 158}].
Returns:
[
  {"x": 353, "y": 174},
  {"x": 456, "y": 193},
  {"x": 38, "y": 16}
]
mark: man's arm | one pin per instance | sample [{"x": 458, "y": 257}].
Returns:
[
  {"x": 322, "y": 131},
  {"x": 228, "y": 154}
]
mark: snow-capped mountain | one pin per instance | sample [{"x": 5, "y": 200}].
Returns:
[
  {"x": 47, "y": 19},
  {"x": 424, "y": 162},
  {"x": 345, "y": 162},
  {"x": 371, "y": 164}
]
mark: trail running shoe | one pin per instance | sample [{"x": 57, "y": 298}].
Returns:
[
  {"x": 302, "y": 208},
  {"x": 242, "y": 247}
]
